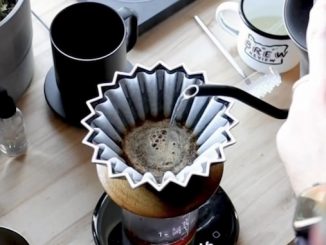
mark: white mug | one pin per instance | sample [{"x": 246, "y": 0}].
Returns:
[{"x": 263, "y": 42}]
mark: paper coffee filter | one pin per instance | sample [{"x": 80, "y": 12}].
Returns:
[{"x": 152, "y": 93}]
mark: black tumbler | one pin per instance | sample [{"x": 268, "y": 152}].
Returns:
[{"x": 89, "y": 43}]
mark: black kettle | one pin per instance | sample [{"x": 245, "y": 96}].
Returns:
[
  {"x": 195, "y": 90},
  {"x": 296, "y": 17}
]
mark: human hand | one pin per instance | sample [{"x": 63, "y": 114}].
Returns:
[{"x": 301, "y": 140}]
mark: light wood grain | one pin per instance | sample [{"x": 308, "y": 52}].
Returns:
[{"x": 49, "y": 194}]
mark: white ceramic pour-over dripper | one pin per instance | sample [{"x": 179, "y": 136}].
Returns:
[
  {"x": 148, "y": 93},
  {"x": 152, "y": 93}
]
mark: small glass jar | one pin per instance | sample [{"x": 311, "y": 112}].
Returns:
[{"x": 12, "y": 135}]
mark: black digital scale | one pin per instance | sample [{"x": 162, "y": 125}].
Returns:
[
  {"x": 217, "y": 224},
  {"x": 149, "y": 12}
]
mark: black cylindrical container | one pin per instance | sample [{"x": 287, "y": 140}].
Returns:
[
  {"x": 296, "y": 17},
  {"x": 89, "y": 44}
]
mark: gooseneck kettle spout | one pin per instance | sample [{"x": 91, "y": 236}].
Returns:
[{"x": 236, "y": 93}]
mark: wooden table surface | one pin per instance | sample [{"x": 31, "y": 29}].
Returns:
[{"x": 49, "y": 194}]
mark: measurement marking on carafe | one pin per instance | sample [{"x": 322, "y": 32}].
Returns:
[{"x": 206, "y": 243}]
